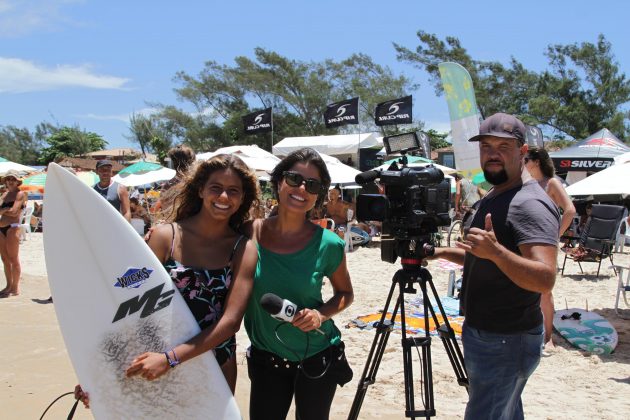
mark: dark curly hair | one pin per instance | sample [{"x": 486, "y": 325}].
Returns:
[
  {"x": 305, "y": 155},
  {"x": 182, "y": 158},
  {"x": 188, "y": 203},
  {"x": 541, "y": 156}
]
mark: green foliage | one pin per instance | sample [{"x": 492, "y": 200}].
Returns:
[
  {"x": 70, "y": 142},
  {"x": 19, "y": 145},
  {"x": 437, "y": 140},
  {"x": 582, "y": 92},
  {"x": 298, "y": 92},
  {"x": 150, "y": 133}
]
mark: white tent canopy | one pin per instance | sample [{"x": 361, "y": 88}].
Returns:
[
  {"x": 340, "y": 173},
  {"x": 610, "y": 181},
  {"x": 342, "y": 144},
  {"x": 256, "y": 158},
  {"x": 13, "y": 166}
]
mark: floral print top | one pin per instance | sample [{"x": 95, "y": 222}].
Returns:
[{"x": 205, "y": 292}]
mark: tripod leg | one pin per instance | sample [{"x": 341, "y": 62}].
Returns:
[
  {"x": 447, "y": 335},
  {"x": 383, "y": 330}
]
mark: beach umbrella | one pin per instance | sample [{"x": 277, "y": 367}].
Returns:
[
  {"x": 410, "y": 159},
  {"x": 7, "y": 165},
  {"x": 479, "y": 179},
  {"x": 612, "y": 181},
  {"x": 36, "y": 182},
  {"x": 142, "y": 173},
  {"x": 259, "y": 160}
]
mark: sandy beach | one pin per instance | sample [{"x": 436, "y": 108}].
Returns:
[{"x": 568, "y": 384}]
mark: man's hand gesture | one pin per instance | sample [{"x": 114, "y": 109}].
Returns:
[{"x": 482, "y": 243}]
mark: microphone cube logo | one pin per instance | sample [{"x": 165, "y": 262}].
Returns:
[{"x": 289, "y": 311}]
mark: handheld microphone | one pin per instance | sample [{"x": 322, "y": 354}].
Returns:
[
  {"x": 366, "y": 177},
  {"x": 280, "y": 309}
]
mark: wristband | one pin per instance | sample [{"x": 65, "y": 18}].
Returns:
[
  {"x": 319, "y": 317},
  {"x": 174, "y": 361}
]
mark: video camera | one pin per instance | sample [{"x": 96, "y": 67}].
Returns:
[{"x": 416, "y": 202}]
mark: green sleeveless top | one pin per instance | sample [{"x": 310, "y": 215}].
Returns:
[{"x": 296, "y": 277}]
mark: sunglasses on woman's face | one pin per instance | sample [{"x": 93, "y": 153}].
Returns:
[{"x": 295, "y": 179}]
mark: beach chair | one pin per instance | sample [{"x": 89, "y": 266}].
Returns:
[
  {"x": 598, "y": 237},
  {"x": 622, "y": 288},
  {"x": 25, "y": 222}
]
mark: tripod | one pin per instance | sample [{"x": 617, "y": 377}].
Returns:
[{"x": 412, "y": 273}]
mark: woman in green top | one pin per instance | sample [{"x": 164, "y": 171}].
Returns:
[{"x": 294, "y": 256}]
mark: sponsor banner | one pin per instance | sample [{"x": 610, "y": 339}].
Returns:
[
  {"x": 462, "y": 107},
  {"x": 258, "y": 122},
  {"x": 342, "y": 113},
  {"x": 396, "y": 111},
  {"x": 582, "y": 164},
  {"x": 534, "y": 136}
]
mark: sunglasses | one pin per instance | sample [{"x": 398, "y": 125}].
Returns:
[{"x": 295, "y": 179}]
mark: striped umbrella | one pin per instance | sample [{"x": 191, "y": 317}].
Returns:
[{"x": 37, "y": 181}]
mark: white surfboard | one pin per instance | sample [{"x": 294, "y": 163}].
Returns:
[{"x": 114, "y": 301}]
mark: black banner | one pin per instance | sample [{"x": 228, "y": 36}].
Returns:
[
  {"x": 342, "y": 113},
  {"x": 258, "y": 122},
  {"x": 533, "y": 136},
  {"x": 396, "y": 111},
  {"x": 581, "y": 164}
]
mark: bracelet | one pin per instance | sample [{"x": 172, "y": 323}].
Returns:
[
  {"x": 319, "y": 317},
  {"x": 174, "y": 361}
]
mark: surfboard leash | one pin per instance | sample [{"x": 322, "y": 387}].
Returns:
[{"x": 72, "y": 410}]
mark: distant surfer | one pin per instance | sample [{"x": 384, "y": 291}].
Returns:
[
  {"x": 305, "y": 359},
  {"x": 13, "y": 203},
  {"x": 210, "y": 263},
  {"x": 509, "y": 258},
  {"x": 116, "y": 194}
]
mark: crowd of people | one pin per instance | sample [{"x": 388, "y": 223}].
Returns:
[{"x": 225, "y": 248}]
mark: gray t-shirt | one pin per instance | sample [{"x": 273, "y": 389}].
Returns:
[{"x": 490, "y": 300}]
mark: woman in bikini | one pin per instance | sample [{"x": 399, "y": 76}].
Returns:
[
  {"x": 210, "y": 262},
  {"x": 13, "y": 202},
  {"x": 540, "y": 167}
]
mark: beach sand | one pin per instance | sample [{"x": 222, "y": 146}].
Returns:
[{"x": 568, "y": 384}]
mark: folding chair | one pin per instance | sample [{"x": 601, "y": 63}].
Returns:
[
  {"x": 598, "y": 237},
  {"x": 25, "y": 222},
  {"x": 621, "y": 286}
]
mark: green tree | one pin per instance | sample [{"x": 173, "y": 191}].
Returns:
[
  {"x": 70, "y": 142},
  {"x": 298, "y": 92},
  {"x": 360, "y": 76},
  {"x": 151, "y": 134},
  {"x": 19, "y": 145},
  {"x": 582, "y": 92}
]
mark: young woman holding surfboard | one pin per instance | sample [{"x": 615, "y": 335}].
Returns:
[
  {"x": 13, "y": 202},
  {"x": 210, "y": 262},
  {"x": 305, "y": 358}
]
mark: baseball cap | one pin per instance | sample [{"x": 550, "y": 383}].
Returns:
[
  {"x": 501, "y": 125},
  {"x": 103, "y": 162}
]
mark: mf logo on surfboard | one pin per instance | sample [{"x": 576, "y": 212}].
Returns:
[
  {"x": 150, "y": 302},
  {"x": 133, "y": 278}
]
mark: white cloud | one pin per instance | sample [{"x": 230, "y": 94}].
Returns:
[
  {"x": 18, "y": 76},
  {"x": 119, "y": 117},
  {"x": 19, "y": 18}
]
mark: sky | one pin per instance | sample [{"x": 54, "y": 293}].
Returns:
[{"x": 94, "y": 63}]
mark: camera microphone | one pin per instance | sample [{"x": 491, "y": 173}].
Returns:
[
  {"x": 366, "y": 177},
  {"x": 280, "y": 309}
]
